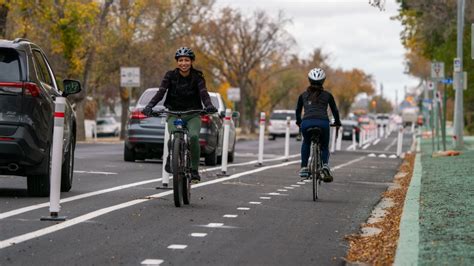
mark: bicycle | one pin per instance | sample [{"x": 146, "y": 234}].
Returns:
[
  {"x": 315, "y": 162},
  {"x": 180, "y": 156}
]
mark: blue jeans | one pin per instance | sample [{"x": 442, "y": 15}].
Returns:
[{"x": 306, "y": 145}]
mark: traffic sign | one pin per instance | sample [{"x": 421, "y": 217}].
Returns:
[
  {"x": 437, "y": 70},
  {"x": 129, "y": 76},
  {"x": 457, "y": 64},
  {"x": 233, "y": 94}
]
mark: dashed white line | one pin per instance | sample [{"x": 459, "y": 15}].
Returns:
[
  {"x": 289, "y": 187},
  {"x": 300, "y": 183},
  {"x": 295, "y": 185},
  {"x": 230, "y": 216},
  {"x": 266, "y": 198},
  {"x": 282, "y": 190},
  {"x": 214, "y": 225},
  {"x": 255, "y": 202},
  {"x": 243, "y": 208},
  {"x": 175, "y": 246},
  {"x": 198, "y": 234},
  {"x": 94, "y": 172},
  {"x": 151, "y": 262}
]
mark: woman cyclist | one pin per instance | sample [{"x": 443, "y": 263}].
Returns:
[
  {"x": 187, "y": 90},
  {"x": 315, "y": 101}
]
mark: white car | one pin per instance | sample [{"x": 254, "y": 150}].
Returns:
[
  {"x": 277, "y": 124},
  {"x": 107, "y": 126}
]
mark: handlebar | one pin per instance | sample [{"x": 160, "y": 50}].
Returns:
[{"x": 178, "y": 113}]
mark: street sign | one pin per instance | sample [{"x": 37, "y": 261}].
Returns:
[
  {"x": 437, "y": 70},
  {"x": 457, "y": 65},
  {"x": 447, "y": 81},
  {"x": 129, "y": 76},
  {"x": 233, "y": 94}
]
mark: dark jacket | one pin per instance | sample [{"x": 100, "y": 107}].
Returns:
[
  {"x": 317, "y": 109},
  {"x": 184, "y": 93}
]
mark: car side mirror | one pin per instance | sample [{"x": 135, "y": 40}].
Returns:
[
  {"x": 222, "y": 114},
  {"x": 235, "y": 114},
  {"x": 71, "y": 87}
]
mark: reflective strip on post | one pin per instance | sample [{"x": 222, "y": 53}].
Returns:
[{"x": 287, "y": 138}]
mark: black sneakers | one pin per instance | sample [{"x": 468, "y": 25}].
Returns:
[
  {"x": 195, "y": 177},
  {"x": 167, "y": 165},
  {"x": 327, "y": 174}
]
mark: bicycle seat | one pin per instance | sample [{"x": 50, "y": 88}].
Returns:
[{"x": 314, "y": 130}]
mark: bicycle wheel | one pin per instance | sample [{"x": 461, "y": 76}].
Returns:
[
  {"x": 177, "y": 167},
  {"x": 186, "y": 181},
  {"x": 314, "y": 171}
]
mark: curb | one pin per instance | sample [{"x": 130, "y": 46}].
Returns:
[{"x": 408, "y": 241}]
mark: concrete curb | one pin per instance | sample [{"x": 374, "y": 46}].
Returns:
[{"x": 408, "y": 241}]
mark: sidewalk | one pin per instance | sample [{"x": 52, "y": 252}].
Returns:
[{"x": 437, "y": 225}]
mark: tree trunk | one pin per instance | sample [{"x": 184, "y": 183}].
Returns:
[
  {"x": 125, "y": 100},
  {"x": 3, "y": 20}
]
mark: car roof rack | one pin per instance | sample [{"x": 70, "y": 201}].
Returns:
[{"x": 17, "y": 40}]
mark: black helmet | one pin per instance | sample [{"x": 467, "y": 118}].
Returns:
[{"x": 184, "y": 52}]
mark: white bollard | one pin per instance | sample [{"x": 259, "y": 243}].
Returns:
[
  {"x": 333, "y": 139},
  {"x": 287, "y": 138},
  {"x": 225, "y": 145},
  {"x": 354, "y": 141},
  {"x": 400, "y": 141},
  {"x": 361, "y": 137},
  {"x": 261, "y": 138},
  {"x": 412, "y": 127},
  {"x": 56, "y": 161},
  {"x": 165, "y": 176},
  {"x": 339, "y": 139},
  {"x": 95, "y": 131}
]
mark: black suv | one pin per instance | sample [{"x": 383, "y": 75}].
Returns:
[{"x": 28, "y": 89}]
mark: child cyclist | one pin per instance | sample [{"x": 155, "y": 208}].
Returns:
[{"x": 315, "y": 101}]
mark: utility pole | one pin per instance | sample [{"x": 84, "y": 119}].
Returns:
[{"x": 458, "y": 103}]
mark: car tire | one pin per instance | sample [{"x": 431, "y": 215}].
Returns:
[
  {"x": 231, "y": 154},
  {"x": 67, "y": 171},
  {"x": 38, "y": 185},
  {"x": 128, "y": 154},
  {"x": 211, "y": 158}
]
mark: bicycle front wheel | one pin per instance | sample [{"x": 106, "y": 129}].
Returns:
[
  {"x": 177, "y": 164},
  {"x": 186, "y": 182}
]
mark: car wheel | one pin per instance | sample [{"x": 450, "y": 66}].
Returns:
[
  {"x": 128, "y": 154},
  {"x": 67, "y": 171},
  {"x": 38, "y": 185},
  {"x": 230, "y": 155},
  {"x": 211, "y": 159}
]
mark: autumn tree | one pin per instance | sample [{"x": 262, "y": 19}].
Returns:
[{"x": 237, "y": 47}]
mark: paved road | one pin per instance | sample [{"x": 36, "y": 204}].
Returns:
[{"x": 255, "y": 216}]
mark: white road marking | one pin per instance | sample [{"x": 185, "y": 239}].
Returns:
[
  {"x": 198, "y": 234},
  {"x": 152, "y": 262},
  {"x": 376, "y": 141},
  {"x": 255, "y": 202},
  {"x": 243, "y": 208},
  {"x": 273, "y": 193},
  {"x": 372, "y": 155},
  {"x": 366, "y": 146},
  {"x": 392, "y": 156},
  {"x": 289, "y": 187},
  {"x": 295, "y": 185},
  {"x": 382, "y": 156},
  {"x": 94, "y": 172},
  {"x": 214, "y": 225},
  {"x": 103, "y": 191},
  {"x": 307, "y": 181},
  {"x": 230, "y": 216},
  {"x": 282, "y": 190},
  {"x": 175, "y": 246},
  {"x": 266, "y": 198},
  {"x": 89, "y": 216},
  {"x": 391, "y": 144},
  {"x": 300, "y": 183}
]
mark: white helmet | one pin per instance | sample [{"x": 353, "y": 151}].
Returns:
[{"x": 316, "y": 74}]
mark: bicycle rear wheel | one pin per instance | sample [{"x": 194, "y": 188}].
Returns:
[
  {"x": 178, "y": 170},
  {"x": 186, "y": 182},
  {"x": 315, "y": 171}
]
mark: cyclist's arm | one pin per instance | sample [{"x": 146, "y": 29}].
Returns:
[
  {"x": 299, "y": 109},
  {"x": 162, "y": 91},
  {"x": 334, "y": 110},
  {"x": 205, "y": 98}
]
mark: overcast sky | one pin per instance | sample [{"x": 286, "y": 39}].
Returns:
[{"x": 352, "y": 32}]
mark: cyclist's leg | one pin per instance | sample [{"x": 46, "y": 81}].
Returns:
[
  {"x": 325, "y": 141},
  {"x": 194, "y": 127},
  {"x": 306, "y": 145}
]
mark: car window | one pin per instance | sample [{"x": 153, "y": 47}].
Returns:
[
  {"x": 215, "y": 101},
  {"x": 146, "y": 98},
  {"x": 42, "y": 68},
  {"x": 282, "y": 116},
  {"x": 9, "y": 65}
]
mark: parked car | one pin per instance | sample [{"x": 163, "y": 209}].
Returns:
[
  {"x": 28, "y": 88},
  {"x": 382, "y": 120},
  {"x": 347, "y": 127},
  {"x": 107, "y": 126},
  {"x": 212, "y": 133},
  {"x": 145, "y": 135},
  {"x": 277, "y": 124}
]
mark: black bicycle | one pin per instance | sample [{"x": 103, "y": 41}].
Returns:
[
  {"x": 180, "y": 156},
  {"x": 316, "y": 163}
]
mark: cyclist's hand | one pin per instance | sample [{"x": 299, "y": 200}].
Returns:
[
  {"x": 147, "y": 111},
  {"x": 211, "y": 109}
]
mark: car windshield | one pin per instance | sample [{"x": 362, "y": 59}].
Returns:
[
  {"x": 146, "y": 98},
  {"x": 9, "y": 65},
  {"x": 282, "y": 116}
]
